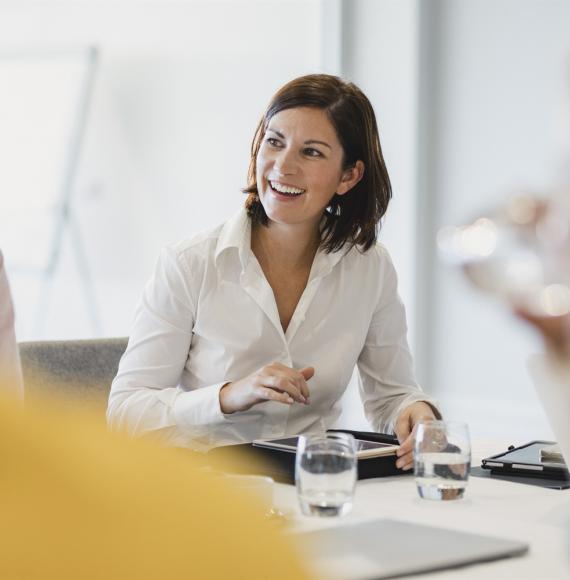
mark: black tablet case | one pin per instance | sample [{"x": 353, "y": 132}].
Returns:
[
  {"x": 280, "y": 464},
  {"x": 501, "y": 464}
]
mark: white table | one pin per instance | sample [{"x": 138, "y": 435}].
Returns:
[{"x": 537, "y": 516}]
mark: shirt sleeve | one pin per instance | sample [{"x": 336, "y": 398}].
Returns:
[
  {"x": 145, "y": 395},
  {"x": 388, "y": 384},
  {"x": 551, "y": 376}
]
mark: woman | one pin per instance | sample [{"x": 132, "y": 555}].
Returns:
[{"x": 252, "y": 330}]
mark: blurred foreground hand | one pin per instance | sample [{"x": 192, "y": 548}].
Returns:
[{"x": 555, "y": 331}]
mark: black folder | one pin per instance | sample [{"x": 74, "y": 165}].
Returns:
[{"x": 280, "y": 464}]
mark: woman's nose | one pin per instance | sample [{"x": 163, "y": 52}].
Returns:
[{"x": 285, "y": 163}]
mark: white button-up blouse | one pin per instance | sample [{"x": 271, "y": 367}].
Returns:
[{"x": 208, "y": 316}]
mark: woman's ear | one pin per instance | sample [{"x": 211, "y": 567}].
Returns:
[{"x": 350, "y": 178}]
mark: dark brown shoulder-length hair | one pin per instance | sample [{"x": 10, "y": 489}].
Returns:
[{"x": 353, "y": 218}]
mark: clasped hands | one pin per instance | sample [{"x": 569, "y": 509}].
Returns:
[{"x": 278, "y": 382}]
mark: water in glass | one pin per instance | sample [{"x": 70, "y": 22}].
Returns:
[
  {"x": 442, "y": 458},
  {"x": 326, "y": 474},
  {"x": 442, "y": 475}
]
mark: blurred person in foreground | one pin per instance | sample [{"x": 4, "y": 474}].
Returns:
[{"x": 78, "y": 502}]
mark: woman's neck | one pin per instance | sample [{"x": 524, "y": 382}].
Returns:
[{"x": 293, "y": 248}]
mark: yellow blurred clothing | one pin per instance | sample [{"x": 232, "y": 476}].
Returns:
[{"x": 77, "y": 502}]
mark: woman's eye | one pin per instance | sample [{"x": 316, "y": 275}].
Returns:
[
  {"x": 273, "y": 142},
  {"x": 309, "y": 151}
]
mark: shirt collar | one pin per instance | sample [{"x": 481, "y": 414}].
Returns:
[
  {"x": 236, "y": 233},
  {"x": 324, "y": 262}
]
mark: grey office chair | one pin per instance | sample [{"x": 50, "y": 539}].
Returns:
[{"x": 71, "y": 372}]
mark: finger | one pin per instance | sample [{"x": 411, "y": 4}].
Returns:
[
  {"x": 406, "y": 460},
  {"x": 304, "y": 389},
  {"x": 299, "y": 381},
  {"x": 408, "y": 466},
  {"x": 267, "y": 394},
  {"x": 407, "y": 446},
  {"x": 403, "y": 427},
  {"x": 306, "y": 373},
  {"x": 283, "y": 383},
  {"x": 298, "y": 378}
]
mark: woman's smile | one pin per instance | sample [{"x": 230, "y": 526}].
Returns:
[{"x": 283, "y": 190}]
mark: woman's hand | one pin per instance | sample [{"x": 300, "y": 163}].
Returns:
[
  {"x": 274, "y": 382},
  {"x": 405, "y": 424}
]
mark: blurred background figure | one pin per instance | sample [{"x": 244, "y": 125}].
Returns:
[
  {"x": 521, "y": 252},
  {"x": 10, "y": 369}
]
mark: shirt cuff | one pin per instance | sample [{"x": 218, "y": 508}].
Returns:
[{"x": 199, "y": 408}]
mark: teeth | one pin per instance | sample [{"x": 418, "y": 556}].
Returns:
[{"x": 285, "y": 188}]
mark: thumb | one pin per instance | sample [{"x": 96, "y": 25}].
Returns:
[{"x": 307, "y": 372}]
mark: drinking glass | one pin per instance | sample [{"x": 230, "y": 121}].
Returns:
[
  {"x": 325, "y": 473},
  {"x": 442, "y": 457}
]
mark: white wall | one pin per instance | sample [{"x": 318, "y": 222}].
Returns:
[
  {"x": 380, "y": 55},
  {"x": 179, "y": 90}
]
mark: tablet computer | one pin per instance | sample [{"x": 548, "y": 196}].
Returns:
[
  {"x": 526, "y": 460},
  {"x": 364, "y": 449}
]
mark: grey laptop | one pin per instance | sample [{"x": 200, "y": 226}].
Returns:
[{"x": 391, "y": 549}]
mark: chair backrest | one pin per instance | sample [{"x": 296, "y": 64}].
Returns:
[{"x": 72, "y": 371}]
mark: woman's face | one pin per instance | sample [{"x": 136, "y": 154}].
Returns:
[{"x": 299, "y": 167}]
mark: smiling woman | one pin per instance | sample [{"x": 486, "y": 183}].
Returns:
[
  {"x": 338, "y": 126},
  {"x": 299, "y": 168},
  {"x": 252, "y": 330}
]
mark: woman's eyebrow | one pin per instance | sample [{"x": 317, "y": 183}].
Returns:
[
  {"x": 308, "y": 142},
  {"x": 316, "y": 141},
  {"x": 276, "y": 133}
]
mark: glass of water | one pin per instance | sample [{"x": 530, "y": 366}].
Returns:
[
  {"x": 442, "y": 458},
  {"x": 325, "y": 473}
]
